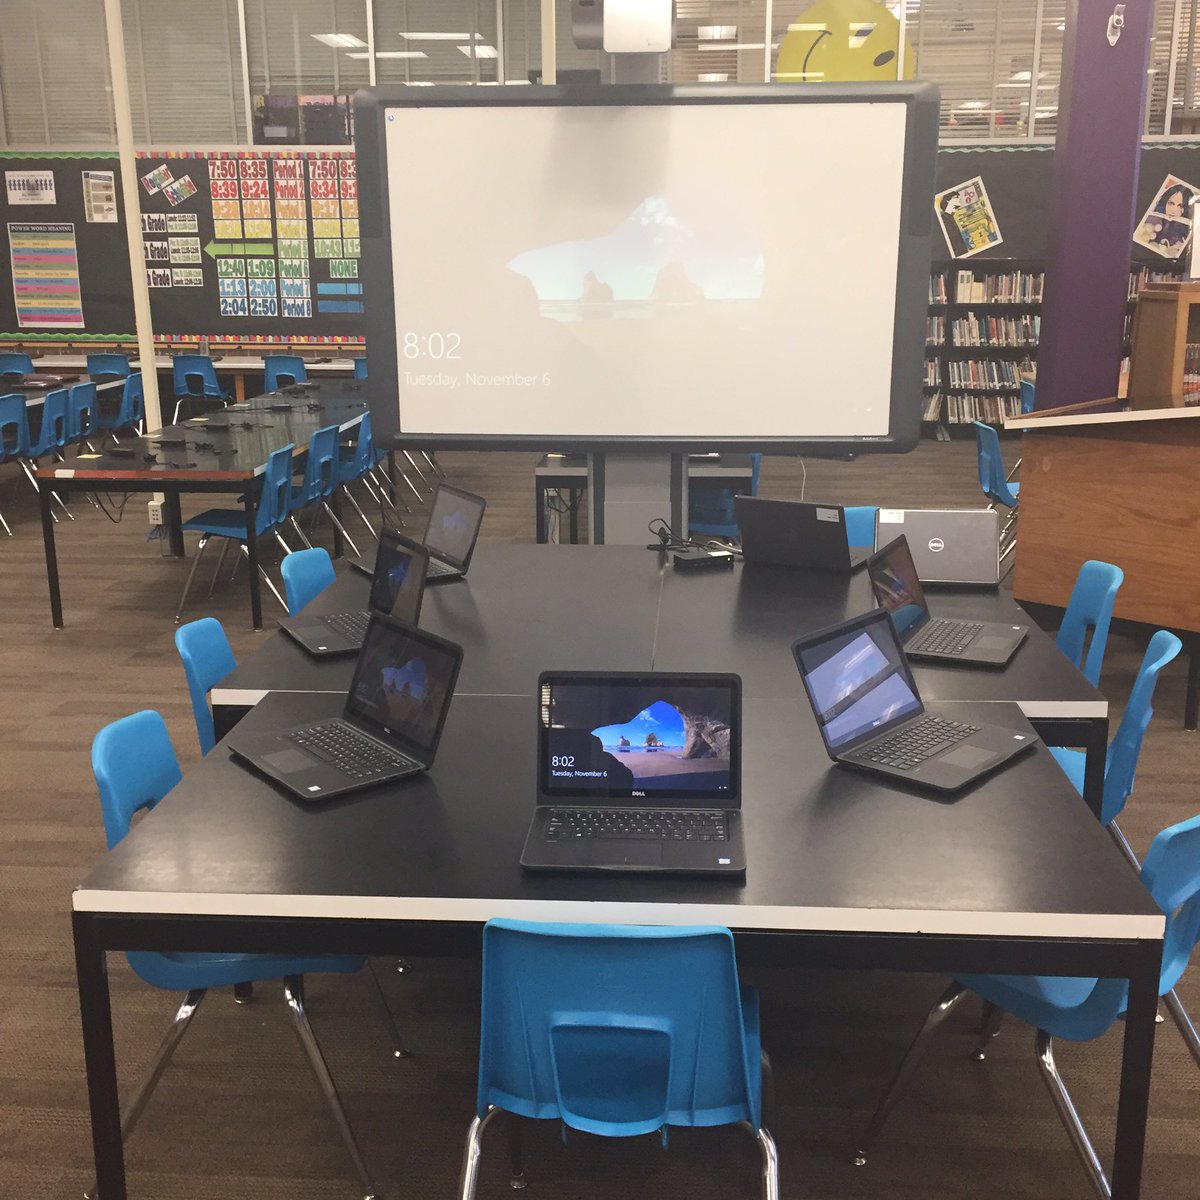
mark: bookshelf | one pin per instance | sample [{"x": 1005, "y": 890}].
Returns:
[{"x": 982, "y": 335}]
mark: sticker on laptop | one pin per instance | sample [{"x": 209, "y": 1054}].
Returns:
[
  {"x": 829, "y": 514},
  {"x": 891, "y": 516}
]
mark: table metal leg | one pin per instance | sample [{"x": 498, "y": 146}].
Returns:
[
  {"x": 1191, "y": 704},
  {"x": 248, "y": 503},
  {"x": 1095, "y": 749},
  {"x": 1136, "y": 1062},
  {"x": 44, "y": 497},
  {"x": 91, "y": 972},
  {"x": 539, "y": 513},
  {"x": 576, "y": 498},
  {"x": 174, "y": 519},
  {"x": 339, "y": 541}
]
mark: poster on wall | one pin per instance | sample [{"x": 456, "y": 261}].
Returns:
[
  {"x": 968, "y": 223},
  {"x": 99, "y": 197},
  {"x": 1166, "y": 227},
  {"x": 45, "y": 274},
  {"x": 29, "y": 187}
]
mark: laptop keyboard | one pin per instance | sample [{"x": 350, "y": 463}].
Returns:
[
  {"x": 948, "y": 637},
  {"x": 576, "y": 824},
  {"x": 919, "y": 742},
  {"x": 349, "y": 751},
  {"x": 440, "y": 568},
  {"x": 351, "y": 625}
]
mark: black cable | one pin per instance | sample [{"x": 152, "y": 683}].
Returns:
[{"x": 120, "y": 508}]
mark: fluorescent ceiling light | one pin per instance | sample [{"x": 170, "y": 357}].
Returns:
[
  {"x": 716, "y": 33},
  {"x": 418, "y": 83},
  {"x": 340, "y": 41},
  {"x": 732, "y": 46},
  {"x": 973, "y": 104},
  {"x": 713, "y": 77},
  {"x": 478, "y": 51},
  {"x": 439, "y": 37},
  {"x": 389, "y": 54},
  {"x": 805, "y": 27}
]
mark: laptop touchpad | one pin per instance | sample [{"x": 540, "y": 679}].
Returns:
[
  {"x": 631, "y": 854},
  {"x": 991, "y": 642},
  {"x": 967, "y": 756},
  {"x": 289, "y": 762}
]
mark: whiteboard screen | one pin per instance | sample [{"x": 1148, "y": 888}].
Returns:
[{"x": 661, "y": 271}]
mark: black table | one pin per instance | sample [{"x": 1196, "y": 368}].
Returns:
[
  {"x": 224, "y": 451},
  {"x": 523, "y": 609},
  {"x": 1014, "y": 876}
]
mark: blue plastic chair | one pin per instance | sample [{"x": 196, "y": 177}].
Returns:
[
  {"x": 360, "y": 368},
  {"x": 132, "y": 410},
  {"x": 207, "y": 658},
  {"x": 14, "y": 435},
  {"x": 992, "y": 476},
  {"x": 711, "y": 509},
  {"x": 860, "y": 524},
  {"x": 280, "y": 370},
  {"x": 1090, "y": 608},
  {"x": 82, "y": 412},
  {"x": 306, "y": 574},
  {"x": 195, "y": 378},
  {"x": 1028, "y": 396},
  {"x": 118, "y": 365},
  {"x": 135, "y": 767},
  {"x": 230, "y": 523},
  {"x": 1073, "y": 1008},
  {"x": 51, "y": 439},
  {"x": 617, "y": 1031},
  {"x": 357, "y": 468},
  {"x": 321, "y": 480},
  {"x": 14, "y": 363}
]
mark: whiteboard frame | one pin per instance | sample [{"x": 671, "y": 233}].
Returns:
[{"x": 921, "y": 101}]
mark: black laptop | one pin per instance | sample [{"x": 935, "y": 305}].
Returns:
[
  {"x": 638, "y": 772},
  {"x": 871, "y": 716},
  {"x": 399, "y": 696},
  {"x": 938, "y": 639},
  {"x": 794, "y": 533},
  {"x": 396, "y": 590}
]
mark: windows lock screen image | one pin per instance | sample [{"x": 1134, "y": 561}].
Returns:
[{"x": 402, "y": 685}]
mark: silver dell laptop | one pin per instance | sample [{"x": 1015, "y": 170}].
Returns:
[{"x": 949, "y": 545}]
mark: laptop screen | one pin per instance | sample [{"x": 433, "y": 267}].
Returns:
[
  {"x": 454, "y": 521},
  {"x": 857, "y": 680},
  {"x": 671, "y": 741},
  {"x": 897, "y": 588},
  {"x": 399, "y": 580},
  {"x": 403, "y": 683}
]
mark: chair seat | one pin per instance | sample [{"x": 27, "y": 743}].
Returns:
[
  {"x": 1072, "y": 763},
  {"x": 1065, "y": 1007},
  {"x": 182, "y": 972},
  {"x": 221, "y": 522}
]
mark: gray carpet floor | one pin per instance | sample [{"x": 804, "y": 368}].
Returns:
[{"x": 237, "y": 1116}]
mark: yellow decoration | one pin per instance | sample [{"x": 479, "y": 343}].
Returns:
[{"x": 840, "y": 41}]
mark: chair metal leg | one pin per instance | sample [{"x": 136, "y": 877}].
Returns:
[
  {"x": 300, "y": 532},
  {"x": 940, "y": 1011},
  {"x": 770, "y": 1164},
  {"x": 412, "y": 462},
  {"x": 516, "y": 1152},
  {"x": 1070, "y": 1118},
  {"x": 384, "y": 489},
  {"x": 171, "y": 1039},
  {"x": 1183, "y": 1023},
  {"x": 362, "y": 515},
  {"x": 282, "y": 544},
  {"x": 337, "y": 524},
  {"x": 187, "y": 587},
  {"x": 989, "y": 1027},
  {"x": 243, "y": 993},
  {"x": 1114, "y": 831},
  {"x": 400, "y": 1049},
  {"x": 472, "y": 1154},
  {"x": 266, "y": 579},
  {"x": 220, "y": 563},
  {"x": 293, "y": 991},
  {"x": 5, "y": 524},
  {"x": 432, "y": 463}
]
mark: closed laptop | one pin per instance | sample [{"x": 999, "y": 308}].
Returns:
[
  {"x": 794, "y": 533},
  {"x": 948, "y": 545}
]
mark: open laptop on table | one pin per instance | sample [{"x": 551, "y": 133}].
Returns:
[
  {"x": 871, "y": 716},
  {"x": 948, "y": 545},
  {"x": 794, "y": 533},
  {"x": 396, "y": 707},
  {"x": 454, "y": 520},
  {"x": 638, "y": 772},
  {"x": 396, "y": 589},
  {"x": 938, "y": 639}
]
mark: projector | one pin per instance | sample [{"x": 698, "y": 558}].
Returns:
[{"x": 623, "y": 26}]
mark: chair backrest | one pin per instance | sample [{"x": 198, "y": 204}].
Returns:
[
  {"x": 991, "y": 467},
  {"x": 14, "y": 426},
  {"x": 321, "y": 470},
  {"x": 615, "y": 1030},
  {"x": 54, "y": 433},
  {"x": 1090, "y": 608},
  {"x": 1125, "y": 747},
  {"x": 860, "y": 524},
  {"x": 1171, "y": 874},
  {"x": 207, "y": 659},
  {"x": 108, "y": 364},
  {"x": 306, "y": 573},
  {"x": 135, "y": 767},
  {"x": 1028, "y": 396},
  {"x": 274, "y": 502},
  {"x": 82, "y": 409},
  {"x": 133, "y": 401},
  {"x": 14, "y": 363},
  {"x": 280, "y": 370},
  {"x": 360, "y": 368},
  {"x": 194, "y": 375},
  {"x": 364, "y": 452}
]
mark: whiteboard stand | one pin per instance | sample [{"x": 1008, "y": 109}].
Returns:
[{"x": 628, "y": 490}]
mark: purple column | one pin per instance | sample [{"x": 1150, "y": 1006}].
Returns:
[{"x": 1093, "y": 200}]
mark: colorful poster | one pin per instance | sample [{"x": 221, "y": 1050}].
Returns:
[
  {"x": 179, "y": 190},
  {"x": 967, "y": 220},
  {"x": 45, "y": 275},
  {"x": 1166, "y": 227},
  {"x": 99, "y": 197},
  {"x": 30, "y": 187},
  {"x": 182, "y": 223},
  {"x": 185, "y": 249},
  {"x": 156, "y": 180}
]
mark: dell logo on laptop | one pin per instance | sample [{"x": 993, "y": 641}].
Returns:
[{"x": 936, "y": 545}]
